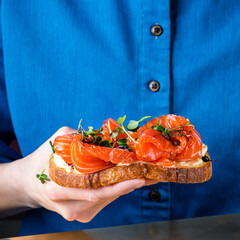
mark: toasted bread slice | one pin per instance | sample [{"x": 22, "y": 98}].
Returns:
[{"x": 188, "y": 172}]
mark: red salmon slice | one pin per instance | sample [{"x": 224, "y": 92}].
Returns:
[
  {"x": 167, "y": 121},
  {"x": 173, "y": 121},
  {"x": 193, "y": 150},
  {"x": 132, "y": 140},
  {"x": 149, "y": 124},
  {"x": 113, "y": 155},
  {"x": 108, "y": 126},
  {"x": 152, "y": 145},
  {"x": 84, "y": 163},
  {"x": 62, "y": 146}
]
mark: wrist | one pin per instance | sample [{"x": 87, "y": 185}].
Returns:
[{"x": 12, "y": 189}]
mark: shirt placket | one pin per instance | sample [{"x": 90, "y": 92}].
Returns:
[{"x": 154, "y": 90}]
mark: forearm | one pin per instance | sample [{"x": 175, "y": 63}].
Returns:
[{"x": 13, "y": 193}]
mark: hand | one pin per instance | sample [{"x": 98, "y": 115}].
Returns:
[{"x": 71, "y": 203}]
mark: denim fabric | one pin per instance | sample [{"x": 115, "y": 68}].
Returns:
[{"x": 66, "y": 60}]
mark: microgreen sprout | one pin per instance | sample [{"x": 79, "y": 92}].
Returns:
[
  {"x": 134, "y": 125},
  {"x": 120, "y": 122},
  {"x": 51, "y": 144},
  {"x": 180, "y": 127},
  {"x": 105, "y": 143},
  {"x": 80, "y": 126},
  {"x": 122, "y": 143},
  {"x": 91, "y": 132},
  {"x": 93, "y": 136},
  {"x": 116, "y": 132},
  {"x": 42, "y": 177},
  {"x": 167, "y": 131}
]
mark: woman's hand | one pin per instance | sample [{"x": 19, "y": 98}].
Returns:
[{"x": 71, "y": 203}]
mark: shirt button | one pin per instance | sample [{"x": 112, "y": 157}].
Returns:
[
  {"x": 156, "y": 30},
  {"x": 154, "y": 196},
  {"x": 154, "y": 85}
]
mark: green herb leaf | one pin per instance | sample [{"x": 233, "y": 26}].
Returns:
[
  {"x": 160, "y": 128},
  {"x": 168, "y": 133},
  {"x": 105, "y": 143},
  {"x": 165, "y": 131},
  {"x": 134, "y": 125},
  {"x": 91, "y": 131},
  {"x": 121, "y": 120},
  {"x": 114, "y": 134},
  {"x": 42, "y": 177},
  {"x": 52, "y": 146},
  {"x": 119, "y": 129},
  {"x": 122, "y": 141},
  {"x": 96, "y": 140},
  {"x": 101, "y": 131}
]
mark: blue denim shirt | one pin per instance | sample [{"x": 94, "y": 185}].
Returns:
[{"x": 65, "y": 60}]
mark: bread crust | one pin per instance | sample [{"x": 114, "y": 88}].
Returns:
[{"x": 120, "y": 173}]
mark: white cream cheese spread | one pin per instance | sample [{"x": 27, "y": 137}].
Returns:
[{"x": 62, "y": 164}]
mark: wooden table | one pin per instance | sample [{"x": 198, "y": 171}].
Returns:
[{"x": 225, "y": 227}]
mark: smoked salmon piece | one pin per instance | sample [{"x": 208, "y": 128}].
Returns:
[
  {"x": 108, "y": 126},
  {"x": 193, "y": 150},
  {"x": 113, "y": 155},
  {"x": 181, "y": 143},
  {"x": 85, "y": 163},
  {"x": 152, "y": 144},
  {"x": 173, "y": 121},
  {"x": 89, "y": 158},
  {"x": 167, "y": 121},
  {"x": 62, "y": 146},
  {"x": 131, "y": 141}
]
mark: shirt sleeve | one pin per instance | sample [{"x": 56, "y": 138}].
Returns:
[{"x": 6, "y": 129}]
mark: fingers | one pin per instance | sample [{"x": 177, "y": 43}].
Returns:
[
  {"x": 151, "y": 182},
  {"x": 84, "y": 204},
  {"x": 58, "y": 193},
  {"x": 87, "y": 216},
  {"x": 81, "y": 211},
  {"x": 121, "y": 188}
]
